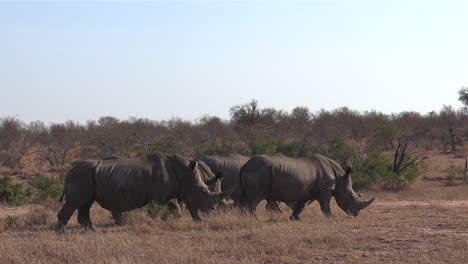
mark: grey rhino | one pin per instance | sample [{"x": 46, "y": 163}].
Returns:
[
  {"x": 229, "y": 166},
  {"x": 298, "y": 181},
  {"x": 123, "y": 184}
]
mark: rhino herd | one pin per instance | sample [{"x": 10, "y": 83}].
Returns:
[{"x": 123, "y": 184}]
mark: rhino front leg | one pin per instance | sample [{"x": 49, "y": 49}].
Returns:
[
  {"x": 118, "y": 217},
  {"x": 324, "y": 202},
  {"x": 194, "y": 214},
  {"x": 297, "y": 210},
  {"x": 250, "y": 206},
  {"x": 84, "y": 219}
]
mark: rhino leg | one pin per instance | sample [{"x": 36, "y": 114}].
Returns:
[
  {"x": 251, "y": 206},
  {"x": 194, "y": 214},
  {"x": 299, "y": 207},
  {"x": 118, "y": 217},
  {"x": 84, "y": 219},
  {"x": 64, "y": 215},
  {"x": 324, "y": 202},
  {"x": 273, "y": 206}
]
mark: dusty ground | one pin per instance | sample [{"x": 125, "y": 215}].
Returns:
[{"x": 427, "y": 223}]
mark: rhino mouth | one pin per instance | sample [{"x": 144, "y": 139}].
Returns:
[
  {"x": 356, "y": 206},
  {"x": 359, "y": 206},
  {"x": 353, "y": 212}
]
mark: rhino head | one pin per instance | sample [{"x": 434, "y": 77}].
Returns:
[
  {"x": 346, "y": 198},
  {"x": 202, "y": 196},
  {"x": 214, "y": 183}
]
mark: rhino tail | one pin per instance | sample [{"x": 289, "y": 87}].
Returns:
[
  {"x": 65, "y": 184},
  {"x": 61, "y": 197},
  {"x": 241, "y": 185},
  {"x": 64, "y": 187}
]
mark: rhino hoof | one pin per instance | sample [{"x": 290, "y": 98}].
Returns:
[
  {"x": 60, "y": 229},
  {"x": 90, "y": 228},
  {"x": 294, "y": 218}
]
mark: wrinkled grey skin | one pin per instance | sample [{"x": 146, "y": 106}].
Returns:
[
  {"x": 229, "y": 166},
  {"x": 297, "y": 182},
  {"x": 123, "y": 184}
]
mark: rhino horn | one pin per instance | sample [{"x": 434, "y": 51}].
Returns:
[
  {"x": 228, "y": 192},
  {"x": 364, "y": 204}
]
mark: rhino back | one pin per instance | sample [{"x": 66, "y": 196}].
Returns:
[
  {"x": 289, "y": 179},
  {"x": 124, "y": 184}
]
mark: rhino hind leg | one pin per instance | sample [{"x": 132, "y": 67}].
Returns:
[
  {"x": 64, "y": 215},
  {"x": 299, "y": 207},
  {"x": 84, "y": 219},
  {"x": 118, "y": 217}
]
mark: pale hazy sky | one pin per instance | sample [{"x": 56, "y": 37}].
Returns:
[{"x": 83, "y": 60}]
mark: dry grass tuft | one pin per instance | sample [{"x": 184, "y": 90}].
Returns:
[{"x": 37, "y": 215}]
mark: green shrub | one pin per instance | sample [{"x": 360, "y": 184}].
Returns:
[
  {"x": 264, "y": 146},
  {"x": 152, "y": 148},
  {"x": 341, "y": 150},
  {"x": 12, "y": 193},
  {"x": 298, "y": 149},
  {"x": 372, "y": 170},
  {"x": 11, "y": 221},
  {"x": 225, "y": 148},
  {"x": 451, "y": 174},
  {"x": 153, "y": 209},
  {"x": 377, "y": 169},
  {"x": 46, "y": 188}
]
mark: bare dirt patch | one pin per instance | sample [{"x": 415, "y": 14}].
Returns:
[{"x": 14, "y": 211}]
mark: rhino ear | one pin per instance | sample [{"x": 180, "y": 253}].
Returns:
[
  {"x": 348, "y": 171},
  {"x": 193, "y": 164}
]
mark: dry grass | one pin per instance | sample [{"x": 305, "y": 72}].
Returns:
[{"x": 428, "y": 223}]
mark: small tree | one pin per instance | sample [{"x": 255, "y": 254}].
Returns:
[
  {"x": 15, "y": 141},
  {"x": 246, "y": 114},
  {"x": 463, "y": 95},
  {"x": 386, "y": 134}
]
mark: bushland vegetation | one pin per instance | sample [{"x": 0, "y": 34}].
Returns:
[{"x": 384, "y": 149}]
